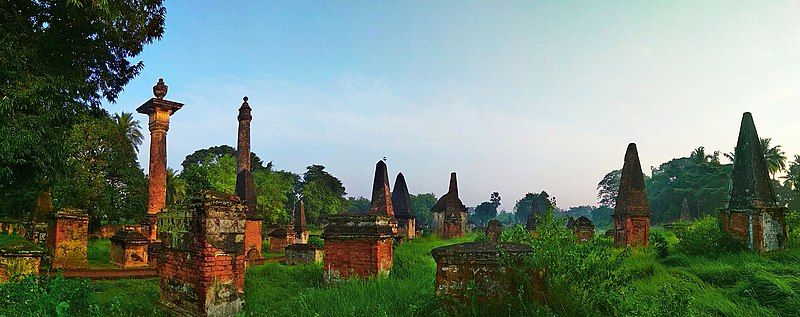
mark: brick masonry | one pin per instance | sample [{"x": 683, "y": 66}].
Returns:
[
  {"x": 252, "y": 239},
  {"x": 202, "y": 262},
  {"x": 348, "y": 258},
  {"x": 303, "y": 254},
  {"x": 129, "y": 249},
  {"x": 67, "y": 238}
]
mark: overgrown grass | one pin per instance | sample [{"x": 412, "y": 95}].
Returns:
[
  {"x": 277, "y": 290},
  {"x": 98, "y": 253}
]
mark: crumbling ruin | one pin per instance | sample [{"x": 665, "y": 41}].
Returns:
[
  {"x": 753, "y": 214},
  {"x": 129, "y": 248},
  {"x": 245, "y": 186},
  {"x": 449, "y": 213},
  {"x": 631, "y": 217},
  {"x": 202, "y": 258},
  {"x": 360, "y": 245},
  {"x": 67, "y": 238},
  {"x": 300, "y": 227}
]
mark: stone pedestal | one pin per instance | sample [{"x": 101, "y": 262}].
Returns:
[
  {"x": 459, "y": 266},
  {"x": 280, "y": 238},
  {"x": 303, "y": 254},
  {"x": 202, "y": 257},
  {"x": 19, "y": 258},
  {"x": 358, "y": 245},
  {"x": 67, "y": 238},
  {"x": 129, "y": 248}
]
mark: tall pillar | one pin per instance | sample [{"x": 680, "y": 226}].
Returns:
[
  {"x": 243, "y": 140},
  {"x": 158, "y": 111},
  {"x": 631, "y": 217},
  {"x": 245, "y": 186}
]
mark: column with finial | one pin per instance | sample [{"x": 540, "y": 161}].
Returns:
[{"x": 158, "y": 111}]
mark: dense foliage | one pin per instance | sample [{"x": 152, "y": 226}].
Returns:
[{"x": 58, "y": 61}]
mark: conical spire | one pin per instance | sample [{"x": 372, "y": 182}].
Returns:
[
  {"x": 454, "y": 205},
  {"x": 381, "y": 195},
  {"x": 299, "y": 216},
  {"x": 453, "y": 189},
  {"x": 401, "y": 200},
  {"x": 750, "y": 178},
  {"x": 632, "y": 195}
]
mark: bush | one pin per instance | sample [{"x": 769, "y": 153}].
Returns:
[
  {"x": 705, "y": 237},
  {"x": 316, "y": 241},
  {"x": 793, "y": 228},
  {"x": 43, "y": 296},
  {"x": 659, "y": 243}
]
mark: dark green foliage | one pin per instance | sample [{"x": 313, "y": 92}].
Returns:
[
  {"x": 524, "y": 206},
  {"x": 358, "y": 205},
  {"x": 322, "y": 192},
  {"x": 484, "y": 212},
  {"x": 104, "y": 179},
  {"x": 422, "y": 204},
  {"x": 608, "y": 188},
  {"x": 316, "y": 241},
  {"x": 60, "y": 59},
  {"x": 705, "y": 237},
  {"x": 35, "y": 296},
  {"x": 659, "y": 243}
]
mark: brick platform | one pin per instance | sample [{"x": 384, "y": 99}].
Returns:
[
  {"x": 302, "y": 254},
  {"x": 129, "y": 249},
  {"x": 202, "y": 259},
  {"x": 358, "y": 245}
]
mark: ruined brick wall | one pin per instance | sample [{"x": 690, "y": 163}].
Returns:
[
  {"x": 763, "y": 231},
  {"x": 584, "y": 234},
  {"x": 357, "y": 258},
  {"x": 438, "y": 222},
  {"x": 129, "y": 255},
  {"x": 252, "y": 239},
  {"x": 11, "y": 265},
  {"x": 279, "y": 243},
  {"x": 451, "y": 230},
  {"x": 631, "y": 231},
  {"x": 202, "y": 262},
  {"x": 67, "y": 239}
]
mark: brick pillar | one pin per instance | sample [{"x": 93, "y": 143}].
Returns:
[
  {"x": 202, "y": 261},
  {"x": 158, "y": 111},
  {"x": 243, "y": 139}
]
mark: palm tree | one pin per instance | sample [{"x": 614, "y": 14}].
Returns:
[
  {"x": 774, "y": 157},
  {"x": 792, "y": 177},
  {"x": 176, "y": 187},
  {"x": 131, "y": 128},
  {"x": 699, "y": 155}
]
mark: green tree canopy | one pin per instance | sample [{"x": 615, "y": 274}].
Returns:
[
  {"x": 58, "y": 60},
  {"x": 524, "y": 206},
  {"x": 422, "y": 204}
]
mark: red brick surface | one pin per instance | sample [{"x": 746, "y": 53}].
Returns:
[
  {"x": 346, "y": 258},
  {"x": 67, "y": 241},
  {"x": 252, "y": 239},
  {"x": 631, "y": 230}
]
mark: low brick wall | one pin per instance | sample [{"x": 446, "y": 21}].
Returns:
[
  {"x": 67, "y": 239},
  {"x": 358, "y": 245},
  {"x": 19, "y": 263},
  {"x": 479, "y": 269},
  {"x": 303, "y": 254}
]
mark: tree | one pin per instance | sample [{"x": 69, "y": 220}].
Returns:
[
  {"x": 103, "y": 178},
  {"x": 495, "y": 199},
  {"x": 176, "y": 187},
  {"x": 774, "y": 157},
  {"x": 358, "y": 205},
  {"x": 323, "y": 193},
  {"x": 276, "y": 194},
  {"x": 524, "y": 206},
  {"x": 422, "y": 204},
  {"x": 58, "y": 61},
  {"x": 487, "y": 210},
  {"x": 130, "y": 127},
  {"x": 608, "y": 188}
]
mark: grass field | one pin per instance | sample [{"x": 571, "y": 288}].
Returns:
[{"x": 729, "y": 284}]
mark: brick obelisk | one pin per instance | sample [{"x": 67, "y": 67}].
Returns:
[
  {"x": 245, "y": 186},
  {"x": 158, "y": 111}
]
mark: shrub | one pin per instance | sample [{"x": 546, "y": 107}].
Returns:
[
  {"x": 659, "y": 243},
  {"x": 316, "y": 241},
  {"x": 44, "y": 296},
  {"x": 705, "y": 237},
  {"x": 793, "y": 228}
]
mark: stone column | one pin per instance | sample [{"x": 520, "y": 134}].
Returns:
[
  {"x": 243, "y": 140},
  {"x": 158, "y": 111}
]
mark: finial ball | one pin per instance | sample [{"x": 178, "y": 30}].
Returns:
[
  {"x": 160, "y": 89},
  {"x": 245, "y": 98}
]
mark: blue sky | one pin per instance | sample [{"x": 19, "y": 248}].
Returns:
[{"x": 514, "y": 96}]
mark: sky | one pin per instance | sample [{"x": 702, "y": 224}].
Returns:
[{"x": 515, "y": 97}]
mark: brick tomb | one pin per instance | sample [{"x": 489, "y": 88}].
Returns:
[
  {"x": 202, "y": 259},
  {"x": 67, "y": 238}
]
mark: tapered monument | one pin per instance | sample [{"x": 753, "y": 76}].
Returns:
[
  {"x": 245, "y": 186},
  {"x": 403, "y": 211},
  {"x": 753, "y": 214},
  {"x": 631, "y": 215}
]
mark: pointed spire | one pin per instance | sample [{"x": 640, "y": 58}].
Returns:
[
  {"x": 632, "y": 195},
  {"x": 299, "y": 216},
  {"x": 454, "y": 205},
  {"x": 751, "y": 185},
  {"x": 381, "y": 195},
  {"x": 401, "y": 200}
]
